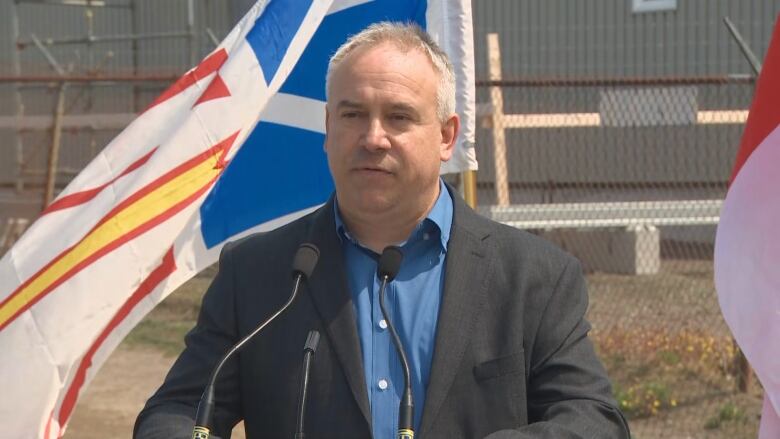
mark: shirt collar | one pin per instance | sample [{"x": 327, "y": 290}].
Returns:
[{"x": 439, "y": 217}]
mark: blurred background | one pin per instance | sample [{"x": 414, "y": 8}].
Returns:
[{"x": 609, "y": 127}]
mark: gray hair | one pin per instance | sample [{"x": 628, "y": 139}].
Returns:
[{"x": 406, "y": 36}]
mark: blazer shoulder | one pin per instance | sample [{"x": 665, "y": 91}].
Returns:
[
  {"x": 517, "y": 246},
  {"x": 287, "y": 236}
]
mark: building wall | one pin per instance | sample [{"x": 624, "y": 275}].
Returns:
[
  {"x": 604, "y": 38},
  {"x": 638, "y": 158},
  {"x": 539, "y": 39},
  {"x": 148, "y": 56}
]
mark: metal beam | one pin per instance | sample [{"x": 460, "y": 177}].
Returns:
[
  {"x": 71, "y": 78},
  {"x": 106, "y": 38},
  {"x": 751, "y": 57},
  {"x": 609, "y": 214},
  {"x": 105, "y": 121}
]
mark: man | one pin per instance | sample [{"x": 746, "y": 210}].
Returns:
[{"x": 492, "y": 317}]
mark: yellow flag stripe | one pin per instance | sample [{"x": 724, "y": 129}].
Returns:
[{"x": 124, "y": 222}]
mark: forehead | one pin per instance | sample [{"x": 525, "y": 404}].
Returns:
[{"x": 385, "y": 67}]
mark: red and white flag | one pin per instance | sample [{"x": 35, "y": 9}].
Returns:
[
  {"x": 747, "y": 245},
  {"x": 121, "y": 235}
]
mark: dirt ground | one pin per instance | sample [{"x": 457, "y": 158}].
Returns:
[
  {"x": 680, "y": 300},
  {"x": 131, "y": 374},
  {"x": 118, "y": 393}
]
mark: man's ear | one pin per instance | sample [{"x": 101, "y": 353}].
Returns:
[
  {"x": 449, "y": 135},
  {"x": 327, "y": 117}
]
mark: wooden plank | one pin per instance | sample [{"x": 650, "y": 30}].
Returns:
[
  {"x": 497, "y": 103},
  {"x": 573, "y": 120},
  {"x": 54, "y": 147}
]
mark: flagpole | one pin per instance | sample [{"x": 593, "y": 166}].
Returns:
[
  {"x": 755, "y": 64},
  {"x": 469, "y": 179}
]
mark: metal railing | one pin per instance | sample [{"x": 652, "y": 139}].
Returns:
[{"x": 615, "y": 214}]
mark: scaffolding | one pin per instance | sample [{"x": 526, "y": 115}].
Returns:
[{"x": 76, "y": 85}]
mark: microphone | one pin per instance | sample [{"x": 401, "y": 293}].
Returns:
[
  {"x": 389, "y": 264},
  {"x": 308, "y": 351},
  {"x": 303, "y": 264}
]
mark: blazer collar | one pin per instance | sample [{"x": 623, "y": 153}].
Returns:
[
  {"x": 329, "y": 290},
  {"x": 465, "y": 283}
]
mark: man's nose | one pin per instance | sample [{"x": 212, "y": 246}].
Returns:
[{"x": 376, "y": 136}]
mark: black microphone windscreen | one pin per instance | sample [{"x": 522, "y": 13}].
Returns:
[
  {"x": 305, "y": 259},
  {"x": 390, "y": 262}
]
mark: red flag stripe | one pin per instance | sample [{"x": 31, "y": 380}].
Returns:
[
  {"x": 47, "y": 430},
  {"x": 216, "y": 89},
  {"x": 208, "y": 66},
  {"x": 151, "y": 282},
  {"x": 763, "y": 117},
  {"x": 122, "y": 239},
  {"x": 82, "y": 197}
]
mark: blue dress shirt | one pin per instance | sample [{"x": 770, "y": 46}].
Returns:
[{"x": 412, "y": 302}]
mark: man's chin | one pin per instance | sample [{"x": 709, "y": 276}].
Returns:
[
  {"x": 372, "y": 203},
  {"x": 377, "y": 205}
]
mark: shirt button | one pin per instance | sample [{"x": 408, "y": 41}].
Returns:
[
  {"x": 382, "y": 384},
  {"x": 426, "y": 236},
  {"x": 383, "y": 324}
]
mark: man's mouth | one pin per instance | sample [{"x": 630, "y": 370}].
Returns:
[{"x": 373, "y": 169}]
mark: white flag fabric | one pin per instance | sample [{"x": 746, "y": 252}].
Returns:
[
  {"x": 157, "y": 204},
  {"x": 747, "y": 244}
]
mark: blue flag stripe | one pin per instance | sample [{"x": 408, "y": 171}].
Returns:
[
  {"x": 281, "y": 169},
  {"x": 308, "y": 77},
  {"x": 278, "y": 171},
  {"x": 273, "y": 32}
]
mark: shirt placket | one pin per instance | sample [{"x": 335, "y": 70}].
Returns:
[{"x": 383, "y": 384}]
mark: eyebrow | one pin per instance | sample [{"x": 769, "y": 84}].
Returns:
[
  {"x": 348, "y": 104},
  {"x": 400, "y": 106},
  {"x": 395, "y": 106}
]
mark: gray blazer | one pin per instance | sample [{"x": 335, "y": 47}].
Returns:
[{"x": 511, "y": 359}]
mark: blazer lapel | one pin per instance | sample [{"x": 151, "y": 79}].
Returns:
[
  {"x": 329, "y": 290},
  {"x": 464, "y": 283}
]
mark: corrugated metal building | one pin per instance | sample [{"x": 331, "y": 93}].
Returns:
[
  {"x": 667, "y": 52},
  {"x": 636, "y": 157},
  {"x": 86, "y": 40}
]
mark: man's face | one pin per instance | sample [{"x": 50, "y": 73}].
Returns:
[{"x": 385, "y": 142}]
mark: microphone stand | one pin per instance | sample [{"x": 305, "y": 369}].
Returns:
[
  {"x": 308, "y": 351},
  {"x": 303, "y": 264},
  {"x": 389, "y": 265}
]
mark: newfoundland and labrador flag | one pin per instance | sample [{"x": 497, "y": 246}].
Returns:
[
  {"x": 747, "y": 245},
  {"x": 233, "y": 147}
]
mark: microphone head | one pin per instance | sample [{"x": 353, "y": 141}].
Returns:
[
  {"x": 390, "y": 262},
  {"x": 305, "y": 259},
  {"x": 311, "y": 341}
]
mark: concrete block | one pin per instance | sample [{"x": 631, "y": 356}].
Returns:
[{"x": 631, "y": 250}]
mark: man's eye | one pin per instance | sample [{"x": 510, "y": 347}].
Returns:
[{"x": 399, "y": 117}]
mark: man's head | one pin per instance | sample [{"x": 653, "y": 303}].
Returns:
[
  {"x": 390, "y": 120},
  {"x": 406, "y": 37}
]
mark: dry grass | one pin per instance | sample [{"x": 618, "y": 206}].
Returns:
[{"x": 670, "y": 354}]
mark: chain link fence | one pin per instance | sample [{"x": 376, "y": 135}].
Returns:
[
  {"x": 610, "y": 127},
  {"x": 629, "y": 175}
]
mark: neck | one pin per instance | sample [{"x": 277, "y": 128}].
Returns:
[{"x": 377, "y": 230}]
